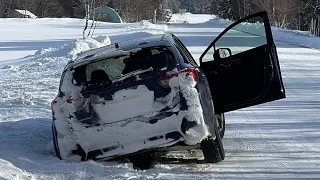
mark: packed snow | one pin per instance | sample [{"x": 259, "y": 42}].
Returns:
[
  {"x": 26, "y": 13},
  {"x": 278, "y": 140}
]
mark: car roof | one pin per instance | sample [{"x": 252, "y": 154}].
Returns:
[{"x": 124, "y": 46}]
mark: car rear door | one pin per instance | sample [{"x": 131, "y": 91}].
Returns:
[{"x": 242, "y": 65}]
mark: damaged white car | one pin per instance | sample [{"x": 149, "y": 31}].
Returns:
[{"x": 140, "y": 97}]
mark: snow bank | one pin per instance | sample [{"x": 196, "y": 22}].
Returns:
[
  {"x": 34, "y": 82},
  {"x": 298, "y": 38},
  {"x": 71, "y": 50},
  {"x": 145, "y": 26},
  {"x": 26, "y": 13},
  {"x": 189, "y": 18},
  {"x": 9, "y": 171}
]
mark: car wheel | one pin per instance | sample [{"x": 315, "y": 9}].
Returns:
[
  {"x": 221, "y": 124},
  {"x": 55, "y": 141},
  {"x": 143, "y": 161},
  {"x": 212, "y": 149}
]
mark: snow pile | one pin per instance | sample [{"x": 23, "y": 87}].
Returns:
[
  {"x": 26, "y": 13},
  {"x": 145, "y": 26},
  {"x": 12, "y": 172},
  {"x": 299, "y": 38},
  {"x": 71, "y": 50},
  {"x": 34, "y": 83},
  {"x": 191, "y": 18}
]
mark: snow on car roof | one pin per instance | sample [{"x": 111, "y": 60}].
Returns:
[{"x": 124, "y": 48}]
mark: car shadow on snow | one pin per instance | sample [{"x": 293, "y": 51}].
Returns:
[{"x": 177, "y": 160}]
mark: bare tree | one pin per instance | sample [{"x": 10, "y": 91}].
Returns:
[
  {"x": 281, "y": 12},
  {"x": 89, "y": 7}
]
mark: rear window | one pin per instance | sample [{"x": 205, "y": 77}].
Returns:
[{"x": 110, "y": 69}]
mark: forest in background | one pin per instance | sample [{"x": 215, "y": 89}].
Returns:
[{"x": 294, "y": 14}]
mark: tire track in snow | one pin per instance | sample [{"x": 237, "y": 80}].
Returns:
[{"x": 266, "y": 143}]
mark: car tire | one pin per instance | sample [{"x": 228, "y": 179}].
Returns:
[
  {"x": 143, "y": 161},
  {"x": 221, "y": 124},
  {"x": 212, "y": 149},
  {"x": 55, "y": 141}
]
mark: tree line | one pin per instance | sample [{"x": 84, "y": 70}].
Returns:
[{"x": 294, "y": 14}]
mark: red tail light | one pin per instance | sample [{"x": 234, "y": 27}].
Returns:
[
  {"x": 164, "y": 81},
  {"x": 69, "y": 100},
  {"x": 191, "y": 72}
]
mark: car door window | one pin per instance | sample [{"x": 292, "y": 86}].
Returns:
[
  {"x": 242, "y": 65},
  {"x": 240, "y": 38}
]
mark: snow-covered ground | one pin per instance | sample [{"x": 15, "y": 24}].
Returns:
[{"x": 278, "y": 140}]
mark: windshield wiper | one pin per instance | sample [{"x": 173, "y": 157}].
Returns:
[{"x": 134, "y": 73}]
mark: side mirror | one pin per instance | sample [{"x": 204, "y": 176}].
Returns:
[{"x": 221, "y": 53}]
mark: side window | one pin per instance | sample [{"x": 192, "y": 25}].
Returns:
[
  {"x": 240, "y": 38},
  {"x": 184, "y": 52}
]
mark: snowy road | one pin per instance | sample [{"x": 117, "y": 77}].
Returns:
[{"x": 278, "y": 140}]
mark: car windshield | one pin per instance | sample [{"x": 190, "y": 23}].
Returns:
[{"x": 116, "y": 68}]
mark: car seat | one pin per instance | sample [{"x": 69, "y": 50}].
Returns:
[{"x": 99, "y": 76}]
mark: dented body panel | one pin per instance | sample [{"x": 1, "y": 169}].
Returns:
[{"x": 154, "y": 110}]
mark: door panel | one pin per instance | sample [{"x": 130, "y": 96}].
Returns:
[{"x": 250, "y": 74}]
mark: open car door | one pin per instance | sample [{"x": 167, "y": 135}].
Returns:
[{"x": 242, "y": 65}]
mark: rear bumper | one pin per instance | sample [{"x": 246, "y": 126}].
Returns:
[
  {"x": 156, "y": 142},
  {"x": 79, "y": 143}
]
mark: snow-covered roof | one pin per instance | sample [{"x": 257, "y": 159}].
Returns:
[{"x": 26, "y": 13}]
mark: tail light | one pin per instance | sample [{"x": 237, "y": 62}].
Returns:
[
  {"x": 164, "y": 81},
  {"x": 69, "y": 100}
]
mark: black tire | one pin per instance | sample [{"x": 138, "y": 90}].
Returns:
[
  {"x": 55, "y": 141},
  {"x": 212, "y": 149},
  {"x": 221, "y": 124},
  {"x": 143, "y": 161}
]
